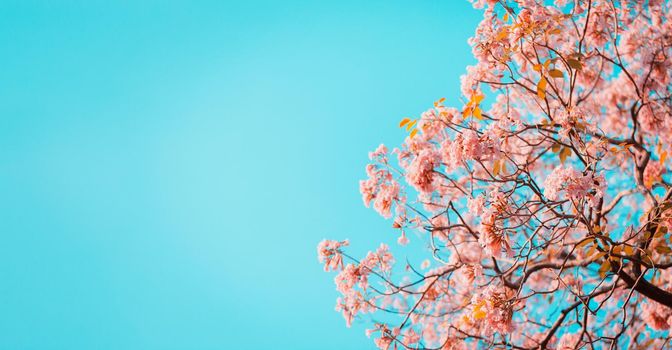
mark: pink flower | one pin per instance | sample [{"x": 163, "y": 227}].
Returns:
[
  {"x": 380, "y": 187},
  {"x": 653, "y": 173},
  {"x": 328, "y": 252},
  {"x": 575, "y": 184},
  {"x": 655, "y": 315},
  {"x": 380, "y": 152},
  {"x": 493, "y": 307},
  {"x": 420, "y": 174},
  {"x": 387, "y": 194},
  {"x": 403, "y": 240},
  {"x": 475, "y": 205}
]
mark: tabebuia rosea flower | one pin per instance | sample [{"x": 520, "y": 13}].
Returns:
[{"x": 543, "y": 203}]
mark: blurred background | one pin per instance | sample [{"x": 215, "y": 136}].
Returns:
[{"x": 167, "y": 168}]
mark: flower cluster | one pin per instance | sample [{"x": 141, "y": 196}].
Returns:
[
  {"x": 380, "y": 187},
  {"x": 469, "y": 145},
  {"x": 353, "y": 279},
  {"x": 493, "y": 310},
  {"x": 329, "y": 253},
  {"x": 577, "y": 185}
]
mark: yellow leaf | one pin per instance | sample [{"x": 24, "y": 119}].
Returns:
[
  {"x": 555, "y": 73},
  {"x": 606, "y": 265},
  {"x": 506, "y": 17},
  {"x": 663, "y": 156},
  {"x": 415, "y": 131},
  {"x": 661, "y": 249},
  {"x": 590, "y": 251},
  {"x": 566, "y": 152},
  {"x": 546, "y": 63},
  {"x": 404, "y": 122},
  {"x": 662, "y": 230},
  {"x": 599, "y": 255},
  {"x": 541, "y": 88},
  {"x": 502, "y": 34},
  {"x": 496, "y": 167},
  {"x": 574, "y": 63},
  {"x": 583, "y": 243},
  {"x": 628, "y": 250},
  {"x": 477, "y": 113},
  {"x": 556, "y": 146},
  {"x": 597, "y": 229},
  {"x": 537, "y": 67},
  {"x": 477, "y": 98},
  {"x": 478, "y": 313},
  {"x": 410, "y": 125}
]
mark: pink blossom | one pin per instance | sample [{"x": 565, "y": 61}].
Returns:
[
  {"x": 420, "y": 174},
  {"x": 329, "y": 253},
  {"x": 576, "y": 185},
  {"x": 475, "y": 205},
  {"x": 403, "y": 240},
  {"x": 493, "y": 308},
  {"x": 653, "y": 173},
  {"x": 655, "y": 315}
]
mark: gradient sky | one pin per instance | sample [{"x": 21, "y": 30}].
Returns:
[{"x": 168, "y": 167}]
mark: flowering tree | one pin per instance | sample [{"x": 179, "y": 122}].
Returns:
[{"x": 543, "y": 202}]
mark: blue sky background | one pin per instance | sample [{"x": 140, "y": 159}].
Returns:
[{"x": 168, "y": 167}]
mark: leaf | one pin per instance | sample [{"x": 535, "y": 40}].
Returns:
[
  {"x": 617, "y": 249},
  {"x": 477, "y": 98},
  {"x": 661, "y": 249},
  {"x": 415, "y": 131},
  {"x": 590, "y": 251},
  {"x": 604, "y": 268},
  {"x": 597, "y": 229},
  {"x": 502, "y": 34},
  {"x": 566, "y": 152},
  {"x": 599, "y": 255},
  {"x": 556, "y": 146},
  {"x": 404, "y": 122},
  {"x": 574, "y": 63},
  {"x": 506, "y": 17},
  {"x": 662, "y": 230},
  {"x": 556, "y": 73},
  {"x": 628, "y": 250},
  {"x": 537, "y": 67},
  {"x": 477, "y": 113},
  {"x": 478, "y": 313},
  {"x": 663, "y": 156},
  {"x": 496, "y": 167},
  {"x": 584, "y": 243},
  {"x": 541, "y": 88},
  {"x": 410, "y": 125}
]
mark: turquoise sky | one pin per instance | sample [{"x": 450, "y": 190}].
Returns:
[{"x": 168, "y": 167}]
